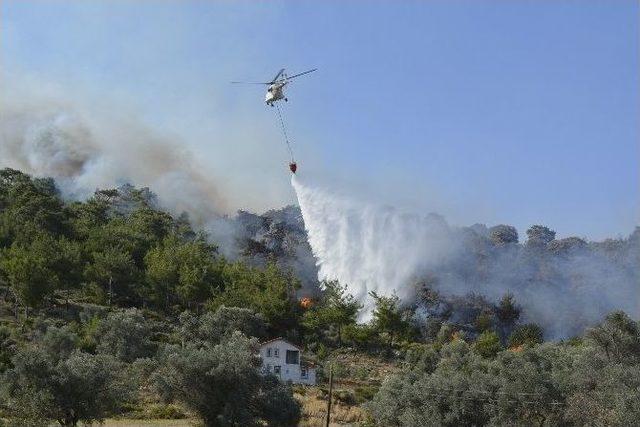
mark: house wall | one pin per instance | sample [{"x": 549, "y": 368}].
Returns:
[{"x": 274, "y": 354}]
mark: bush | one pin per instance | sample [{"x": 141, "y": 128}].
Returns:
[
  {"x": 529, "y": 334},
  {"x": 165, "y": 412},
  {"x": 125, "y": 335},
  {"x": 344, "y": 396},
  {"x": 364, "y": 393},
  {"x": 488, "y": 344},
  {"x": 79, "y": 387}
]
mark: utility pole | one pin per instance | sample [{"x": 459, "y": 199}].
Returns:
[
  {"x": 330, "y": 395},
  {"x": 110, "y": 289}
]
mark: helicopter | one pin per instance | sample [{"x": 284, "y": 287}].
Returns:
[{"x": 275, "y": 91}]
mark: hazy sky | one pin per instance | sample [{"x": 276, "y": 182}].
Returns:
[{"x": 516, "y": 112}]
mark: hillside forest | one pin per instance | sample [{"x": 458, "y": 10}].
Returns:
[{"x": 112, "y": 308}]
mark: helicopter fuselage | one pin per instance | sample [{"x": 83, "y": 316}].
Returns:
[{"x": 275, "y": 92}]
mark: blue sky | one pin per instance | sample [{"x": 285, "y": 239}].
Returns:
[{"x": 517, "y": 112}]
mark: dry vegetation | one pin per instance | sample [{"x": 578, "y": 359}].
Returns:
[{"x": 357, "y": 377}]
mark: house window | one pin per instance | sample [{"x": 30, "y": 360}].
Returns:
[
  {"x": 269, "y": 352},
  {"x": 303, "y": 372},
  {"x": 276, "y": 352},
  {"x": 276, "y": 370},
  {"x": 268, "y": 368},
  {"x": 292, "y": 357}
]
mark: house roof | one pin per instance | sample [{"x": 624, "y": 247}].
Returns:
[{"x": 262, "y": 344}]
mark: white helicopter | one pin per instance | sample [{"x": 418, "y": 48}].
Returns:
[{"x": 275, "y": 92}]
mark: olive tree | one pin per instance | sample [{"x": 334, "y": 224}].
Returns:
[
  {"x": 214, "y": 326},
  {"x": 42, "y": 387},
  {"x": 126, "y": 335},
  {"x": 223, "y": 385}
]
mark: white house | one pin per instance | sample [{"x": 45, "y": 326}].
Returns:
[{"x": 284, "y": 359}]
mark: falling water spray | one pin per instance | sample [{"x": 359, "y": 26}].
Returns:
[{"x": 368, "y": 247}]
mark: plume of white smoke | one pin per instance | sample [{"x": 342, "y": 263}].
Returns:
[
  {"x": 375, "y": 248},
  {"x": 85, "y": 150}
]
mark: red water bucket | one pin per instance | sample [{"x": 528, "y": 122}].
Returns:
[{"x": 293, "y": 167}]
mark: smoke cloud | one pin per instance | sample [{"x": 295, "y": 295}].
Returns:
[
  {"x": 84, "y": 150},
  {"x": 564, "y": 285}
]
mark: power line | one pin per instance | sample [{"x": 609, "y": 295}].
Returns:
[{"x": 491, "y": 399}]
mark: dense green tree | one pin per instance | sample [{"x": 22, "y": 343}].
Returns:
[
  {"x": 619, "y": 337},
  {"x": 50, "y": 381},
  {"x": 162, "y": 273},
  {"x": 503, "y": 235},
  {"x": 268, "y": 291},
  {"x": 58, "y": 343},
  {"x": 488, "y": 344},
  {"x": 567, "y": 247},
  {"x": 508, "y": 313},
  {"x": 445, "y": 333},
  {"x": 29, "y": 207},
  {"x": 87, "y": 216},
  {"x": 151, "y": 223},
  {"x": 484, "y": 321},
  {"x": 37, "y": 269},
  {"x": 29, "y": 274},
  {"x": 188, "y": 327},
  {"x": 126, "y": 335},
  {"x": 457, "y": 387},
  {"x": 528, "y": 394},
  {"x": 363, "y": 336},
  {"x": 603, "y": 392},
  {"x": 198, "y": 272},
  {"x": 225, "y": 321},
  {"x": 212, "y": 327},
  {"x": 114, "y": 274},
  {"x": 7, "y": 348},
  {"x": 390, "y": 319},
  {"x": 452, "y": 394},
  {"x": 539, "y": 236},
  {"x": 335, "y": 309},
  {"x": 186, "y": 269},
  {"x": 528, "y": 334},
  {"x": 82, "y": 387}
]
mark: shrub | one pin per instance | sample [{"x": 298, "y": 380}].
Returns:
[
  {"x": 528, "y": 334},
  {"x": 488, "y": 344}
]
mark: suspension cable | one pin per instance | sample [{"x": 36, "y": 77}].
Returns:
[{"x": 284, "y": 131}]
